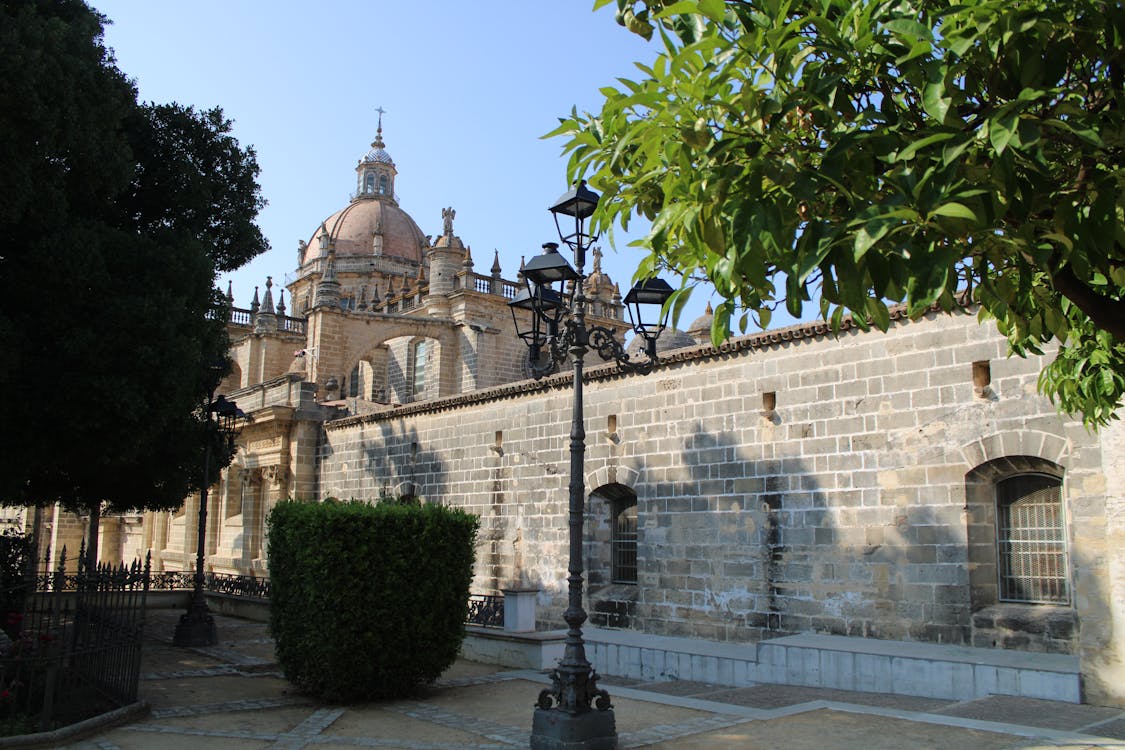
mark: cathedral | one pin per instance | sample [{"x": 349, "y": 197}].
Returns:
[
  {"x": 907, "y": 486},
  {"x": 380, "y": 317}
]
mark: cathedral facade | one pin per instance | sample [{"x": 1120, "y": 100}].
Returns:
[{"x": 909, "y": 485}]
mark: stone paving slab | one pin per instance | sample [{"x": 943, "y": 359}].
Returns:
[
  {"x": 818, "y": 730},
  {"x": 1033, "y": 713},
  {"x": 232, "y": 696},
  {"x": 1114, "y": 729},
  {"x": 399, "y": 721},
  {"x": 682, "y": 687},
  {"x": 776, "y": 696},
  {"x": 189, "y": 691}
]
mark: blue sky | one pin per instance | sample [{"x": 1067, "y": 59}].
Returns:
[{"x": 468, "y": 89}]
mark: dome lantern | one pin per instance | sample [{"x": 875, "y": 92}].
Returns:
[{"x": 375, "y": 173}]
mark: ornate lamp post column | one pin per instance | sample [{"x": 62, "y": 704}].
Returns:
[
  {"x": 574, "y": 712},
  {"x": 196, "y": 626}
]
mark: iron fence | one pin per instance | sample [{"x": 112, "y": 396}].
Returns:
[
  {"x": 486, "y": 610},
  {"x": 71, "y": 651},
  {"x": 215, "y": 583}
]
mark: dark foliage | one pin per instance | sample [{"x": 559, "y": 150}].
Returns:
[
  {"x": 368, "y": 601},
  {"x": 114, "y": 219},
  {"x": 15, "y": 548}
]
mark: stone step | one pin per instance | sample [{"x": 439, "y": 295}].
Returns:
[{"x": 862, "y": 664}]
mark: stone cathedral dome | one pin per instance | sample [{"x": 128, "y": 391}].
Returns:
[{"x": 372, "y": 224}]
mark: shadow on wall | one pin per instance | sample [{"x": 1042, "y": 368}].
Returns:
[
  {"x": 394, "y": 465},
  {"x": 739, "y": 542}
]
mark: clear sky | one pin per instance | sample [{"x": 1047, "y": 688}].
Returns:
[{"x": 468, "y": 89}]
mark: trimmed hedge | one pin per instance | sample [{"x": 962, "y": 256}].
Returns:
[{"x": 368, "y": 601}]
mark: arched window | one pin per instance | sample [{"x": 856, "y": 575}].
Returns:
[
  {"x": 1016, "y": 532},
  {"x": 1031, "y": 539},
  {"x": 369, "y": 183},
  {"x": 384, "y": 184},
  {"x": 353, "y": 383}
]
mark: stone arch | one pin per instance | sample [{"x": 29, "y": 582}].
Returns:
[
  {"x": 374, "y": 331},
  {"x": 406, "y": 488},
  {"x": 1043, "y": 445},
  {"x": 612, "y": 474}
]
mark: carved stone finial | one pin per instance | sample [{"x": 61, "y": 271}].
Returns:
[
  {"x": 281, "y": 303},
  {"x": 496, "y": 263},
  {"x": 267, "y": 300},
  {"x": 254, "y": 304},
  {"x": 328, "y": 290},
  {"x": 230, "y": 292}
]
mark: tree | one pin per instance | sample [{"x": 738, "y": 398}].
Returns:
[
  {"x": 115, "y": 218},
  {"x": 861, "y": 152}
]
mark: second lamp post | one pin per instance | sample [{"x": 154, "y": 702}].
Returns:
[
  {"x": 574, "y": 712},
  {"x": 196, "y": 627}
]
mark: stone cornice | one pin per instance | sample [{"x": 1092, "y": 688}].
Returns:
[{"x": 799, "y": 333}]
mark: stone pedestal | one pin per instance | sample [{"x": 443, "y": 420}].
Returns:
[
  {"x": 519, "y": 609},
  {"x": 553, "y": 729}
]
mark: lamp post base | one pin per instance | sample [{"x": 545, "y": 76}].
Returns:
[
  {"x": 554, "y": 729},
  {"x": 195, "y": 628}
]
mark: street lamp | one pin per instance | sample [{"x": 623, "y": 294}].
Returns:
[
  {"x": 196, "y": 626},
  {"x": 574, "y": 712}
]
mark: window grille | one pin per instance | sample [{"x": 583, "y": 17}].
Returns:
[
  {"x": 1031, "y": 540},
  {"x": 623, "y": 544},
  {"x": 418, "y": 386}
]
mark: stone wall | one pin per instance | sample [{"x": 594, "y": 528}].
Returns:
[{"x": 792, "y": 482}]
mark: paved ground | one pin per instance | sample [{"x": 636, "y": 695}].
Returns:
[{"x": 232, "y": 696}]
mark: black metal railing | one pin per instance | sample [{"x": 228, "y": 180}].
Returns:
[
  {"x": 74, "y": 651},
  {"x": 214, "y": 583},
  {"x": 486, "y": 610}
]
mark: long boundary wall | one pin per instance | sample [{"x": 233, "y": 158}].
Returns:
[{"x": 790, "y": 482}]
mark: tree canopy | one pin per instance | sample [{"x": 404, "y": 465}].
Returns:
[
  {"x": 855, "y": 153},
  {"x": 115, "y": 217}
]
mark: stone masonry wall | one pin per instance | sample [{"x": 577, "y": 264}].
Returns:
[{"x": 803, "y": 483}]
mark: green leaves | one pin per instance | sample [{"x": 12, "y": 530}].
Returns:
[
  {"x": 891, "y": 152},
  {"x": 389, "y": 586}
]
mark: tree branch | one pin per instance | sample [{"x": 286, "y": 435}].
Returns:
[{"x": 1107, "y": 313}]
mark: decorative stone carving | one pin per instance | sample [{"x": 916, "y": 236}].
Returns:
[{"x": 447, "y": 215}]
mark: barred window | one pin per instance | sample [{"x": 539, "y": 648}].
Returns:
[
  {"x": 418, "y": 365},
  {"x": 1031, "y": 540},
  {"x": 623, "y": 543}
]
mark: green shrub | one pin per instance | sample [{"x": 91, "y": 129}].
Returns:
[{"x": 368, "y": 601}]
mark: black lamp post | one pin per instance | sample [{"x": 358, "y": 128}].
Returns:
[
  {"x": 196, "y": 626},
  {"x": 574, "y": 712}
]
